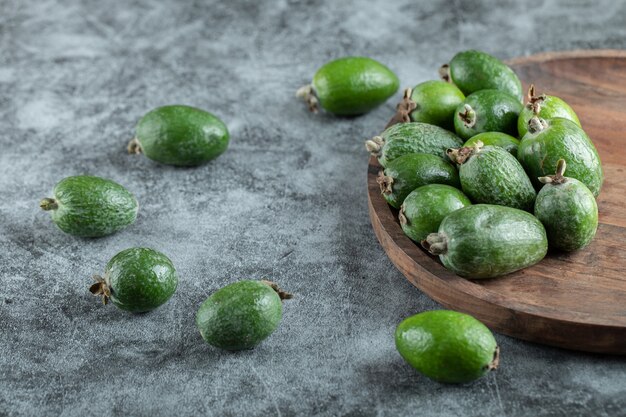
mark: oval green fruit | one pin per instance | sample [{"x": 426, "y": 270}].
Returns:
[
  {"x": 545, "y": 107},
  {"x": 241, "y": 315},
  {"x": 486, "y": 241},
  {"x": 447, "y": 346},
  {"x": 405, "y": 138},
  {"x": 424, "y": 208},
  {"x": 406, "y": 173},
  {"x": 137, "y": 280},
  {"x": 568, "y": 210},
  {"x": 350, "y": 86},
  {"x": 89, "y": 206},
  {"x": 549, "y": 140},
  {"x": 435, "y": 103},
  {"x": 508, "y": 142},
  {"x": 487, "y": 111},
  {"x": 180, "y": 135},
  {"x": 492, "y": 175},
  {"x": 474, "y": 70}
]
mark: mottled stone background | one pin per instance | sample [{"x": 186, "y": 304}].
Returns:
[{"x": 287, "y": 202}]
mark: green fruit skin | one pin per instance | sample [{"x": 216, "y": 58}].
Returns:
[
  {"x": 494, "y": 176},
  {"x": 446, "y": 346},
  {"x": 486, "y": 241},
  {"x": 425, "y": 207},
  {"x": 181, "y": 135},
  {"x": 436, "y": 102},
  {"x": 474, "y": 70},
  {"x": 354, "y": 85},
  {"x": 550, "y": 108},
  {"x": 414, "y": 170},
  {"x": 404, "y": 138},
  {"x": 240, "y": 315},
  {"x": 562, "y": 139},
  {"x": 140, "y": 279},
  {"x": 496, "y": 111},
  {"x": 91, "y": 206},
  {"x": 508, "y": 142},
  {"x": 569, "y": 213}
]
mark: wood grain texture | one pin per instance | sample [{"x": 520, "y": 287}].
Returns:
[{"x": 577, "y": 300}]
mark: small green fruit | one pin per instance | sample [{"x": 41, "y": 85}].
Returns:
[
  {"x": 180, "y": 135},
  {"x": 425, "y": 207},
  {"x": 241, "y": 315},
  {"x": 88, "y": 206},
  {"x": 137, "y": 280},
  {"x": 447, "y": 346},
  {"x": 487, "y": 111},
  {"x": 568, "y": 210},
  {"x": 545, "y": 107},
  {"x": 508, "y": 142},
  {"x": 350, "y": 86}
]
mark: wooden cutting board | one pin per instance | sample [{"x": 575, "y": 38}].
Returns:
[{"x": 575, "y": 301}]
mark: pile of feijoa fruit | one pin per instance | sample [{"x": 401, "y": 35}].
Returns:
[{"x": 481, "y": 179}]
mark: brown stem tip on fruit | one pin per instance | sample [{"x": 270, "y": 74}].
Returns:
[
  {"x": 48, "y": 204},
  {"x": 402, "y": 217},
  {"x": 460, "y": 155},
  {"x": 307, "y": 93},
  {"x": 558, "y": 177},
  {"x": 444, "y": 73},
  {"x": 495, "y": 362},
  {"x": 435, "y": 243},
  {"x": 375, "y": 145},
  {"x": 403, "y": 109},
  {"x": 468, "y": 116},
  {"x": 385, "y": 182},
  {"x": 101, "y": 289},
  {"x": 536, "y": 125},
  {"x": 134, "y": 147},
  {"x": 534, "y": 102},
  {"x": 284, "y": 295}
]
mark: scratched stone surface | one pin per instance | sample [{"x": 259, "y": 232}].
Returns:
[{"x": 287, "y": 201}]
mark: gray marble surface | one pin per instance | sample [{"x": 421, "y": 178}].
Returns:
[{"x": 287, "y": 201}]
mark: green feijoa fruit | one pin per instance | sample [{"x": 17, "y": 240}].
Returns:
[
  {"x": 474, "y": 70},
  {"x": 137, "y": 280},
  {"x": 432, "y": 102},
  {"x": 545, "y": 107},
  {"x": 508, "y": 142},
  {"x": 88, "y": 206},
  {"x": 491, "y": 175},
  {"x": 406, "y": 173},
  {"x": 180, "y": 135},
  {"x": 447, "y": 346},
  {"x": 241, "y": 315},
  {"x": 486, "y": 241},
  {"x": 549, "y": 140},
  {"x": 350, "y": 86},
  {"x": 487, "y": 111},
  {"x": 404, "y": 138},
  {"x": 424, "y": 208},
  {"x": 567, "y": 209}
]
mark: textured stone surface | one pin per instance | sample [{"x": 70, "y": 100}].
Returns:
[{"x": 287, "y": 201}]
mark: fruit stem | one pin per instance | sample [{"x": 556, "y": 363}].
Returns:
[
  {"x": 307, "y": 93},
  {"x": 403, "y": 109},
  {"x": 444, "y": 73},
  {"x": 402, "y": 217},
  {"x": 536, "y": 125},
  {"x": 48, "y": 204},
  {"x": 534, "y": 102},
  {"x": 435, "y": 243},
  {"x": 284, "y": 295},
  {"x": 374, "y": 145},
  {"x": 134, "y": 147},
  {"x": 468, "y": 116},
  {"x": 461, "y": 155},
  {"x": 385, "y": 182},
  {"x": 558, "y": 177},
  {"x": 101, "y": 289},
  {"x": 495, "y": 362}
]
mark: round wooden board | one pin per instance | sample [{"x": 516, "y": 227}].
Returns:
[{"x": 575, "y": 301}]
